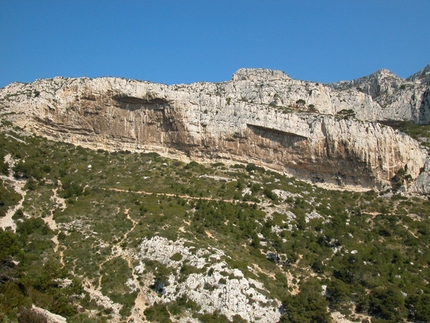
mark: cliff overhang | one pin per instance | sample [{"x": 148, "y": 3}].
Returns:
[{"x": 248, "y": 119}]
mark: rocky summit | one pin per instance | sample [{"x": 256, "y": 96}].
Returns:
[{"x": 325, "y": 133}]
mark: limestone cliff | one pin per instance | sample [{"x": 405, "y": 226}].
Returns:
[
  {"x": 397, "y": 98},
  {"x": 260, "y": 116}
]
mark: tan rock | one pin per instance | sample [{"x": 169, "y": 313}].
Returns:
[{"x": 261, "y": 116}]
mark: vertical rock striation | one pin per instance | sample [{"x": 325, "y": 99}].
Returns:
[{"x": 325, "y": 133}]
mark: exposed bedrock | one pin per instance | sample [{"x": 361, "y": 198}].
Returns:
[{"x": 260, "y": 117}]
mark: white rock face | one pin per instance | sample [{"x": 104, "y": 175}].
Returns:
[
  {"x": 215, "y": 286},
  {"x": 422, "y": 184},
  {"x": 260, "y": 116},
  {"x": 259, "y": 74},
  {"x": 397, "y": 98},
  {"x": 422, "y": 76},
  {"x": 50, "y": 317}
]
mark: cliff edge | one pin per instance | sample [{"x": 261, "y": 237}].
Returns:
[{"x": 323, "y": 133}]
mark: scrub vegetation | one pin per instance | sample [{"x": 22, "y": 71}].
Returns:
[{"x": 86, "y": 212}]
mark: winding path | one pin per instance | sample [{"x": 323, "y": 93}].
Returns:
[{"x": 18, "y": 186}]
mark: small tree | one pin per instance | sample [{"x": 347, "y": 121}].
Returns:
[
  {"x": 301, "y": 102},
  {"x": 387, "y": 303},
  {"x": 251, "y": 167},
  {"x": 308, "y": 306}
]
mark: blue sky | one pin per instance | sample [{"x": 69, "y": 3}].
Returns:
[{"x": 184, "y": 41}]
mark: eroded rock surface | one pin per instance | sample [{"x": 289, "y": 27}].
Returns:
[
  {"x": 261, "y": 116},
  {"x": 214, "y": 286}
]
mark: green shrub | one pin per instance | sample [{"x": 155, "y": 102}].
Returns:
[
  {"x": 8, "y": 198},
  {"x": 9, "y": 245},
  {"x": 157, "y": 313},
  {"x": 388, "y": 304},
  {"x": 250, "y": 167},
  {"x": 308, "y": 305},
  {"x": 419, "y": 307},
  {"x": 32, "y": 225},
  {"x": 176, "y": 257}
]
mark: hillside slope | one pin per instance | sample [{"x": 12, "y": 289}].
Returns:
[{"x": 95, "y": 236}]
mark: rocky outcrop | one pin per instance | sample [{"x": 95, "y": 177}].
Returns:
[
  {"x": 49, "y": 317},
  {"x": 213, "y": 285},
  {"x": 397, "y": 98},
  {"x": 260, "y": 116},
  {"x": 382, "y": 82},
  {"x": 422, "y": 76},
  {"x": 422, "y": 183},
  {"x": 259, "y": 74}
]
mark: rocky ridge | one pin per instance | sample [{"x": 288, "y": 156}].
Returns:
[
  {"x": 323, "y": 133},
  {"x": 397, "y": 98}
]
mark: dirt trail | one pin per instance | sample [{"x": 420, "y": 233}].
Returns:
[
  {"x": 186, "y": 197},
  {"x": 103, "y": 300},
  {"x": 59, "y": 203},
  {"x": 137, "y": 312},
  {"x": 18, "y": 186}
]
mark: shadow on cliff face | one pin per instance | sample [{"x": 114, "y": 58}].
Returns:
[
  {"x": 424, "y": 110},
  {"x": 133, "y": 103},
  {"x": 121, "y": 115},
  {"x": 286, "y": 139},
  {"x": 148, "y": 120}
]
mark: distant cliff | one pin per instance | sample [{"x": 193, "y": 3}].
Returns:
[{"x": 320, "y": 132}]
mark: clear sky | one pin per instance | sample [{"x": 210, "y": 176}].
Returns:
[{"x": 185, "y": 41}]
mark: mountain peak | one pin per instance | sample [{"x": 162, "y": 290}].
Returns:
[
  {"x": 423, "y": 75},
  {"x": 383, "y": 72},
  {"x": 381, "y": 82},
  {"x": 259, "y": 74}
]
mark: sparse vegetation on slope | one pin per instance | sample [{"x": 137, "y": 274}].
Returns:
[
  {"x": 419, "y": 132},
  {"x": 86, "y": 215}
]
